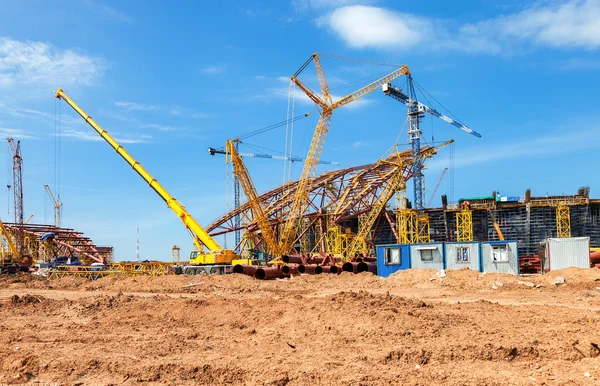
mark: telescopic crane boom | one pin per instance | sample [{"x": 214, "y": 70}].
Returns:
[
  {"x": 216, "y": 254},
  {"x": 56, "y": 203}
]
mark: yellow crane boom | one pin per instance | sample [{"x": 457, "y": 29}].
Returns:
[
  {"x": 201, "y": 238},
  {"x": 325, "y": 103},
  {"x": 253, "y": 198}
]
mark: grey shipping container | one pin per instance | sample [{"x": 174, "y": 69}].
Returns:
[
  {"x": 564, "y": 253},
  {"x": 500, "y": 256},
  {"x": 462, "y": 255},
  {"x": 430, "y": 255}
]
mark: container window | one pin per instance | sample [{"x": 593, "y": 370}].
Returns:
[
  {"x": 499, "y": 253},
  {"x": 463, "y": 255},
  {"x": 393, "y": 256},
  {"x": 426, "y": 254}
]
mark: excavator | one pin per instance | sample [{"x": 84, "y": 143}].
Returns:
[{"x": 209, "y": 256}]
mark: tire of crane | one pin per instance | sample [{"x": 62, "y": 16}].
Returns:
[
  {"x": 215, "y": 271},
  {"x": 189, "y": 271}
]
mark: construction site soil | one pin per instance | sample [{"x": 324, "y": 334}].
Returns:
[{"x": 417, "y": 327}]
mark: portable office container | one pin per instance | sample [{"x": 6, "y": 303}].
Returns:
[
  {"x": 392, "y": 258},
  {"x": 463, "y": 255},
  {"x": 429, "y": 255},
  {"x": 499, "y": 256},
  {"x": 563, "y": 253}
]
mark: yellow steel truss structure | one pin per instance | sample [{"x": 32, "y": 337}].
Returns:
[
  {"x": 406, "y": 220},
  {"x": 464, "y": 225},
  {"x": 563, "y": 221},
  {"x": 423, "y": 228}
]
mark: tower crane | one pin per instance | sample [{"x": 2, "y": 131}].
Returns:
[
  {"x": 416, "y": 111},
  {"x": 326, "y": 106},
  {"x": 437, "y": 186},
  {"x": 216, "y": 258},
  {"x": 57, "y": 205},
  {"x": 15, "y": 149}
]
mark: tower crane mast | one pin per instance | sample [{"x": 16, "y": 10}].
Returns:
[
  {"x": 416, "y": 111},
  {"x": 57, "y": 204},
  {"x": 15, "y": 149}
]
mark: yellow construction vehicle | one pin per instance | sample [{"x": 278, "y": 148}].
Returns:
[{"x": 209, "y": 257}]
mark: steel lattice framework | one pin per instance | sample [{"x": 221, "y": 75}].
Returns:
[
  {"x": 334, "y": 198},
  {"x": 65, "y": 242}
]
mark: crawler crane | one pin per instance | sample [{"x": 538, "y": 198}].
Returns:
[{"x": 209, "y": 257}]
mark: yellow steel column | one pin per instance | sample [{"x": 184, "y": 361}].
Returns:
[
  {"x": 464, "y": 225},
  {"x": 563, "y": 221}
]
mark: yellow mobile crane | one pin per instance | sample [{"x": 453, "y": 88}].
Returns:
[{"x": 216, "y": 259}]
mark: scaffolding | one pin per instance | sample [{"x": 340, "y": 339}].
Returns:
[
  {"x": 406, "y": 220},
  {"x": 423, "y": 228},
  {"x": 563, "y": 221},
  {"x": 464, "y": 225}
]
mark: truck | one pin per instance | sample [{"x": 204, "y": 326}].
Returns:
[{"x": 208, "y": 257}]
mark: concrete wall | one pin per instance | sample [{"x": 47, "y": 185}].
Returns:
[
  {"x": 388, "y": 256},
  {"x": 504, "y": 260},
  {"x": 420, "y": 254},
  {"x": 453, "y": 261}
]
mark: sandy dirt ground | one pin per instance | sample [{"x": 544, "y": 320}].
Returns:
[{"x": 413, "y": 328}]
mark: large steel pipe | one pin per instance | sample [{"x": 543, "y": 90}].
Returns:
[
  {"x": 366, "y": 267},
  {"x": 265, "y": 273},
  {"x": 292, "y": 259},
  {"x": 244, "y": 269},
  {"x": 350, "y": 267},
  {"x": 331, "y": 269},
  {"x": 310, "y": 269},
  {"x": 289, "y": 269},
  {"x": 595, "y": 257}
]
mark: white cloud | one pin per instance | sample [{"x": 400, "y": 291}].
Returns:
[
  {"x": 92, "y": 136},
  {"x": 212, "y": 70},
  {"x": 361, "y": 26},
  {"x": 359, "y": 144},
  {"x": 136, "y": 106},
  {"x": 567, "y": 25},
  {"x": 37, "y": 63}
]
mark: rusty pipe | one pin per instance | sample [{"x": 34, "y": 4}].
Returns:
[
  {"x": 334, "y": 269},
  {"x": 265, "y": 273},
  {"x": 370, "y": 259},
  {"x": 310, "y": 269},
  {"x": 289, "y": 269},
  {"x": 292, "y": 259},
  {"x": 366, "y": 267},
  {"x": 350, "y": 267},
  {"x": 244, "y": 269},
  {"x": 595, "y": 257}
]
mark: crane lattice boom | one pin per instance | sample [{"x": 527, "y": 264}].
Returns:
[{"x": 327, "y": 106}]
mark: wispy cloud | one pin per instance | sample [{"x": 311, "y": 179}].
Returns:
[
  {"x": 136, "y": 106},
  {"x": 180, "y": 111},
  {"x": 565, "y": 25},
  {"x": 107, "y": 12},
  {"x": 212, "y": 70},
  {"x": 304, "y": 5},
  {"x": 87, "y": 135},
  {"x": 37, "y": 63},
  {"x": 542, "y": 146},
  {"x": 161, "y": 127},
  {"x": 16, "y": 133},
  {"x": 172, "y": 110}
]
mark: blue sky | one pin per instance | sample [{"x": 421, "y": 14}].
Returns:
[{"x": 170, "y": 79}]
